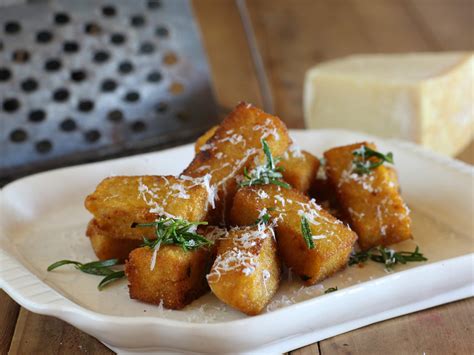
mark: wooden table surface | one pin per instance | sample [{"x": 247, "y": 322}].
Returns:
[{"x": 259, "y": 51}]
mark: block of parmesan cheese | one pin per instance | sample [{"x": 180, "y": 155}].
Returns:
[{"x": 426, "y": 98}]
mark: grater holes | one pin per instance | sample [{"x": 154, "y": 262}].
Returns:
[
  {"x": 154, "y": 77},
  {"x": 12, "y": 27},
  {"x": 5, "y": 74},
  {"x": 61, "y": 18},
  {"x": 43, "y": 146},
  {"x": 162, "y": 31},
  {"x": 162, "y": 107},
  {"x": 20, "y": 56},
  {"x": 18, "y": 135},
  {"x": 101, "y": 56},
  {"x": 78, "y": 75},
  {"x": 11, "y": 105},
  {"x": 44, "y": 36},
  {"x": 118, "y": 38},
  {"x": 29, "y": 85},
  {"x": 170, "y": 58},
  {"x": 92, "y": 136},
  {"x": 125, "y": 67},
  {"x": 108, "y": 85},
  {"x": 147, "y": 48},
  {"x": 85, "y": 105},
  {"x": 137, "y": 21},
  {"x": 53, "y": 64},
  {"x": 131, "y": 96},
  {"x": 61, "y": 95},
  {"x": 176, "y": 88},
  {"x": 36, "y": 116},
  {"x": 93, "y": 29},
  {"x": 109, "y": 11},
  {"x": 68, "y": 125},
  {"x": 115, "y": 116},
  {"x": 153, "y": 4},
  {"x": 138, "y": 126},
  {"x": 70, "y": 47}
]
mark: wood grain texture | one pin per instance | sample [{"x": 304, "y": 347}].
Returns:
[
  {"x": 8, "y": 316},
  {"x": 232, "y": 69},
  {"x": 445, "y": 329},
  {"x": 295, "y": 35},
  {"x": 38, "y": 334}
]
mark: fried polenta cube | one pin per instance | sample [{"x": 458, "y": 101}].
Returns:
[
  {"x": 173, "y": 277},
  {"x": 106, "y": 247},
  {"x": 236, "y": 145},
  {"x": 204, "y": 138},
  {"x": 372, "y": 201},
  {"x": 299, "y": 168},
  {"x": 333, "y": 241},
  {"x": 120, "y": 201},
  {"x": 246, "y": 272}
]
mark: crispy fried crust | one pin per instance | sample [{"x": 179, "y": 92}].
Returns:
[
  {"x": 246, "y": 272},
  {"x": 106, "y": 247},
  {"x": 300, "y": 169},
  {"x": 204, "y": 138},
  {"x": 371, "y": 201},
  {"x": 177, "y": 279},
  {"x": 333, "y": 240},
  {"x": 236, "y": 145},
  {"x": 120, "y": 201}
]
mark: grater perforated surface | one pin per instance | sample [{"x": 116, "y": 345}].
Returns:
[{"x": 81, "y": 80}]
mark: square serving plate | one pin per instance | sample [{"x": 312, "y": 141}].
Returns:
[{"x": 43, "y": 220}]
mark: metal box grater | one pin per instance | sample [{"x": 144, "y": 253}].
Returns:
[{"x": 83, "y": 80}]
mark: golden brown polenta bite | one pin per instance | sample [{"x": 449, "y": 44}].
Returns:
[
  {"x": 299, "y": 168},
  {"x": 246, "y": 272},
  {"x": 172, "y": 276},
  {"x": 369, "y": 196},
  {"x": 106, "y": 247},
  {"x": 236, "y": 145},
  {"x": 333, "y": 241},
  {"x": 120, "y": 201}
]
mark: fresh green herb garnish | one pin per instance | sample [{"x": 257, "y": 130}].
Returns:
[
  {"x": 331, "y": 289},
  {"x": 387, "y": 256},
  {"x": 264, "y": 219},
  {"x": 362, "y": 162},
  {"x": 265, "y": 174},
  {"x": 174, "y": 231},
  {"x": 100, "y": 268},
  {"x": 306, "y": 232}
]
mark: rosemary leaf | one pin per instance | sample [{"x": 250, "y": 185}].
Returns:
[
  {"x": 100, "y": 268},
  {"x": 362, "y": 162},
  {"x": 117, "y": 275},
  {"x": 387, "y": 256},
  {"x": 331, "y": 289},
  {"x": 61, "y": 263},
  {"x": 306, "y": 232}
]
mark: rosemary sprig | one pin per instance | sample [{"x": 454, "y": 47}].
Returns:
[
  {"x": 331, "y": 289},
  {"x": 265, "y": 174},
  {"x": 386, "y": 256},
  {"x": 100, "y": 268},
  {"x": 306, "y": 232},
  {"x": 362, "y": 162},
  {"x": 174, "y": 231}
]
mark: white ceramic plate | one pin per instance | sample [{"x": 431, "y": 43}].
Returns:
[{"x": 43, "y": 220}]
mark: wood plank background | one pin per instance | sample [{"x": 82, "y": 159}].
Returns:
[{"x": 258, "y": 51}]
